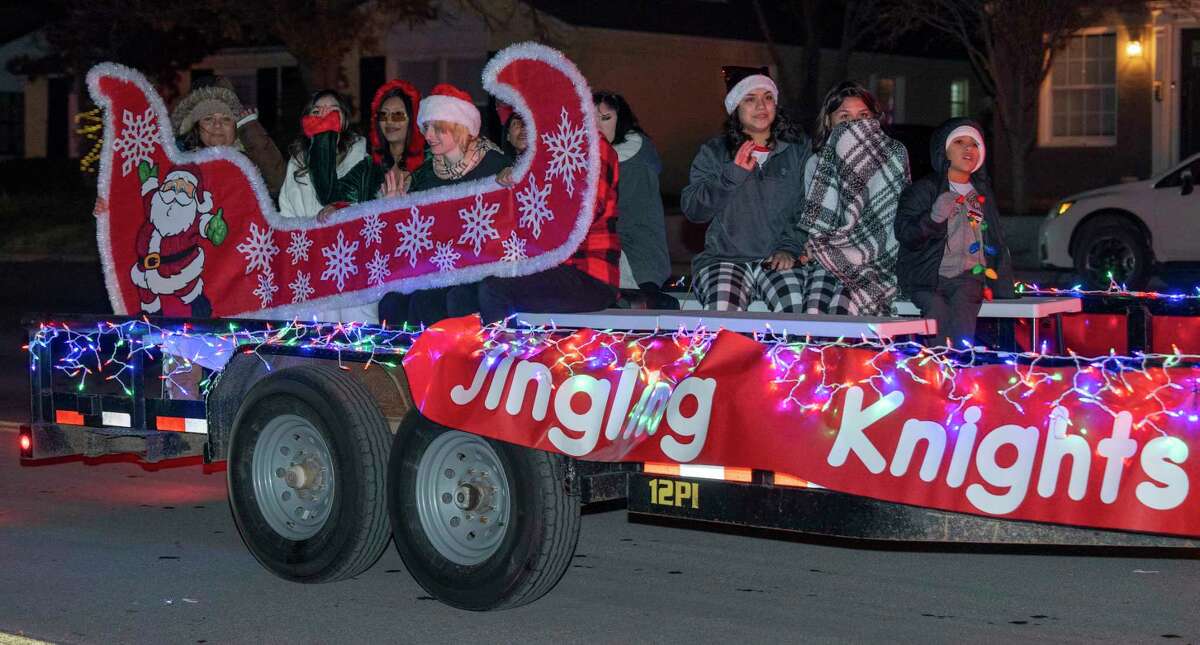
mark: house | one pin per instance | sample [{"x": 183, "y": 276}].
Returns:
[
  {"x": 1121, "y": 103},
  {"x": 665, "y": 57}
]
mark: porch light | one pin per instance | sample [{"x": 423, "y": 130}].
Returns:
[{"x": 1133, "y": 49}]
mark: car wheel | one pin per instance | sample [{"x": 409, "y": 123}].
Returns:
[
  {"x": 307, "y": 475},
  {"x": 480, "y": 524},
  {"x": 1111, "y": 250}
]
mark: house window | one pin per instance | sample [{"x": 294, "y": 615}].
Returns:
[
  {"x": 463, "y": 73},
  {"x": 1079, "y": 98},
  {"x": 12, "y": 124},
  {"x": 959, "y": 98}
]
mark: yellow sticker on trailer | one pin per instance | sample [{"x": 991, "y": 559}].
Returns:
[{"x": 674, "y": 492}]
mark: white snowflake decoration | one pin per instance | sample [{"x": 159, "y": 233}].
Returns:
[
  {"x": 532, "y": 202},
  {"x": 568, "y": 155},
  {"x": 377, "y": 268},
  {"x": 414, "y": 236},
  {"x": 514, "y": 249},
  {"x": 372, "y": 230},
  {"x": 298, "y": 249},
  {"x": 445, "y": 257},
  {"x": 339, "y": 261},
  {"x": 266, "y": 288},
  {"x": 137, "y": 140},
  {"x": 301, "y": 287},
  {"x": 258, "y": 248},
  {"x": 477, "y": 224}
]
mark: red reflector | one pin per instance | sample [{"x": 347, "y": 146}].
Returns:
[
  {"x": 68, "y": 417},
  {"x": 173, "y": 424}
]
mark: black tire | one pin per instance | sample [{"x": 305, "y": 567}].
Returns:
[
  {"x": 353, "y": 531},
  {"x": 1107, "y": 244},
  {"x": 530, "y": 556}
]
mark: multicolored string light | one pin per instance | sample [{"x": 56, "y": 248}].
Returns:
[
  {"x": 1114, "y": 290},
  {"x": 109, "y": 351}
]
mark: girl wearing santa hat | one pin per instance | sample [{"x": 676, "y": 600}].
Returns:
[
  {"x": 450, "y": 122},
  {"x": 746, "y": 185}
]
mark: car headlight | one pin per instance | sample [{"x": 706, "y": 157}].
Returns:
[{"x": 1063, "y": 207}]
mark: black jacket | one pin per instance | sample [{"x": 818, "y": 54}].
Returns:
[{"x": 923, "y": 241}]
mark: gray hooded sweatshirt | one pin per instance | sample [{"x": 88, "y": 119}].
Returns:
[
  {"x": 751, "y": 213},
  {"x": 640, "y": 221}
]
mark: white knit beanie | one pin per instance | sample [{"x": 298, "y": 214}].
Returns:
[{"x": 969, "y": 131}]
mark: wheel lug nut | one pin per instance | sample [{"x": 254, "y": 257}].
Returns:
[{"x": 454, "y": 521}]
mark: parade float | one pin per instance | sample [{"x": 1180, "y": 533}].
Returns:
[{"x": 474, "y": 447}]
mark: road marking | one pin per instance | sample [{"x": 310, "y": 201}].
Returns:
[{"x": 16, "y": 639}]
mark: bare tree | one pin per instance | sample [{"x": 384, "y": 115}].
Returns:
[
  {"x": 1011, "y": 44},
  {"x": 137, "y": 33},
  {"x": 320, "y": 33},
  {"x": 859, "y": 20}
]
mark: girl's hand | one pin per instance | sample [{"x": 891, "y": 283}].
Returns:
[
  {"x": 396, "y": 182},
  {"x": 504, "y": 177},
  {"x": 780, "y": 261},
  {"x": 745, "y": 157},
  {"x": 946, "y": 205},
  {"x": 328, "y": 210}
]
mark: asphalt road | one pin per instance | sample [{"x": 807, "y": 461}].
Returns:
[{"x": 115, "y": 552}]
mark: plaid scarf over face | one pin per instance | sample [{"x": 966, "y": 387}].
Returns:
[{"x": 849, "y": 211}]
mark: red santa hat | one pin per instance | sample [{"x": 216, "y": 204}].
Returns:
[{"x": 448, "y": 103}]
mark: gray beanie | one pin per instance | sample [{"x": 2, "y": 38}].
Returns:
[{"x": 201, "y": 103}]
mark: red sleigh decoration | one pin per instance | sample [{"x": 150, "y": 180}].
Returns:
[{"x": 216, "y": 233}]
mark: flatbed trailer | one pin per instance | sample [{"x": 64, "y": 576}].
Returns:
[{"x": 328, "y": 454}]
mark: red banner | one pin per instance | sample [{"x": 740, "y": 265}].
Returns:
[{"x": 1073, "y": 445}]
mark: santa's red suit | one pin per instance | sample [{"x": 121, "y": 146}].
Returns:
[{"x": 170, "y": 259}]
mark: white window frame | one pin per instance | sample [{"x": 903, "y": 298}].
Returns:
[{"x": 1046, "y": 138}]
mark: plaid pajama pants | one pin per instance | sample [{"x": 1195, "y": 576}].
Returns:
[
  {"x": 732, "y": 286},
  {"x": 823, "y": 292}
]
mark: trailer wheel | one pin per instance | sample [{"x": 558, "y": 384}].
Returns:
[
  {"x": 307, "y": 467},
  {"x": 480, "y": 524}
]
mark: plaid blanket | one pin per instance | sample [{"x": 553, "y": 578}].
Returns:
[{"x": 849, "y": 211}]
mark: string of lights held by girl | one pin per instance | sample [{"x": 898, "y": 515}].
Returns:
[{"x": 1168, "y": 383}]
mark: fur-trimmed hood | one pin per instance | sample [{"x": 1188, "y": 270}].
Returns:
[{"x": 414, "y": 150}]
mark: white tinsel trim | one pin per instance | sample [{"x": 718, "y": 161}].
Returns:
[
  {"x": 506, "y": 93},
  {"x": 167, "y": 140}
]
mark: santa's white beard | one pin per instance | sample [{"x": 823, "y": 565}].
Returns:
[{"x": 171, "y": 218}]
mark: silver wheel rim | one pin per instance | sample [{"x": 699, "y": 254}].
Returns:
[
  {"x": 294, "y": 478},
  {"x": 463, "y": 498}
]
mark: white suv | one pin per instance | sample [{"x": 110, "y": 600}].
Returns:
[{"x": 1122, "y": 231}]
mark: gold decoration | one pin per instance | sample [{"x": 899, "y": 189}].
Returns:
[{"x": 89, "y": 125}]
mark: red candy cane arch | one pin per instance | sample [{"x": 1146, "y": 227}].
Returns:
[{"x": 272, "y": 266}]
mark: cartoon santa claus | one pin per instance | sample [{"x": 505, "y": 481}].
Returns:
[{"x": 170, "y": 259}]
